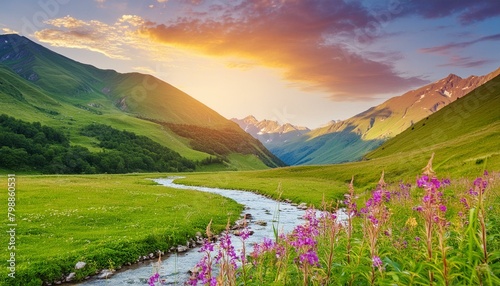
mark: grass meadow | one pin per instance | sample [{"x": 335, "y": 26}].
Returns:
[
  {"x": 109, "y": 220},
  {"x": 103, "y": 220}
]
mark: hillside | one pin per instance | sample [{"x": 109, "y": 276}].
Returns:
[
  {"x": 350, "y": 139},
  {"x": 464, "y": 136},
  {"x": 466, "y": 130},
  {"x": 37, "y": 84}
]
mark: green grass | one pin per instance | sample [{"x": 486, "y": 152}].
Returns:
[
  {"x": 102, "y": 218},
  {"x": 311, "y": 183}
]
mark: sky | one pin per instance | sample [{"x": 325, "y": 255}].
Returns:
[{"x": 305, "y": 62}]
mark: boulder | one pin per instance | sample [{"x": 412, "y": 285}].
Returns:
[
  {"x": 238, "y": 232},
  {"x": 302, "y": 206},
  {"x": 105, "y": 274},
  {"x": 70, "y": 277},
  {"x": 182, "y": 248},
  {"x": 79, "y": 265}
]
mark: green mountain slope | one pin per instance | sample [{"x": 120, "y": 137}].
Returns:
[
  {"x": 464, "y": 136},
  {"x": 351, "y": 139},
  {"x": 37, "y": 84},
  {"x": 464, "y": 132}
]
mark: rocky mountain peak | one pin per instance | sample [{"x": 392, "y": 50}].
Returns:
[
  {"x": 270, "y": 131},
  {"x": 250, "y": 119}
]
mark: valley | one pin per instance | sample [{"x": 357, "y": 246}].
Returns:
[{"x": 67, "y": 213}]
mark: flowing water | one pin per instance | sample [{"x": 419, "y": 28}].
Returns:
[{"x": 175, "y": 267}]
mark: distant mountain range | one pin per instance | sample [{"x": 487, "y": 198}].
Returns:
[
  {"x": 37, "y": 84},
  {"x": 349, "y": 140},
  {"x": 270, "y": 132}
]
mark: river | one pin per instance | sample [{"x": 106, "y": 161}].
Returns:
[{"x": 175, "y": 267}]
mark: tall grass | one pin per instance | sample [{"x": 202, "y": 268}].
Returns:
[{"x": 436, "y": 231}]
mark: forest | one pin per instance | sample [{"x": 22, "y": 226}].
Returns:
[
  {"x": 222, "y": 142},
  {"x": 33, "y": 147}
]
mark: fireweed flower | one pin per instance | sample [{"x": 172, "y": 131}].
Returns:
[
  {"x": 267, "y": 246},
  {"x": 432, "y": 210},
  {"x": 376, "y": 214},
  {"x": 310, "y": 257},
  {"x": 477, "y": 198},
  {"x": 245, "y": 234},
  {"x": 153, "y": 279},
  {"x": 226, "y": 251},
  {"x": 377, "y": 262}
]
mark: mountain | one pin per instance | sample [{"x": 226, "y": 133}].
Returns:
[
  {"x": 464, "y": 135},
  {"x": 37, "y": 84},
  {"x": 270, "y": 132},
  {"x": 350, "y": 139}
]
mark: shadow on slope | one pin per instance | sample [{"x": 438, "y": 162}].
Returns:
[{"x": 331, "y": 148}]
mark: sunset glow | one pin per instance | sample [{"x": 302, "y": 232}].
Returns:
[{"x": 299, "y": 61}]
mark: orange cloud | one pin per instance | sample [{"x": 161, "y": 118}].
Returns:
[
  {"x": 297, "y": 37},
  {"x": 110, "y": 40}
]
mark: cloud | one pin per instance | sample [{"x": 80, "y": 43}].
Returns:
[
  {"x": 109, "y": 40},
  {"x": 460, "y": 61},
  {"x": 444, "y": 49},
  {"x": 464, "y": 62},
  {"x": 466, "y": 11},
  {"x": 300, "y": 38},
  {"x": 9, "y": 31},
  {"x": 146, "y": 70}
]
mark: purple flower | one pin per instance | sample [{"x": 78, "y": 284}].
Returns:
[
  {"x": 478, "y": 182},
  {"x": 154, "y": 279},
  {"x": 426, "y": 199},
  {"x": 446, "y": 182},
  {"x": 436, "y": 183},
  {"x": 485, "y": 173},
  {"x": 309, "y": 257},
  {"x": 442, "y": 208},
  {"x": 373, "y": 219},
  {"x": 422, "y": 181},
  {"x": 245, "y": 233},
  {"x": 377, "y": 262},
  {"x": 419, "y": 208},
  {"x": 207, "y": 246},
  {"x": 377, "y": 197},
  {"x": 417, "y": 238},
  {"x": 473, "y": 193}
]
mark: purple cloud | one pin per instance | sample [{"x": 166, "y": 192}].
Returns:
[
  {"x": 465, "y": 62},
  {"x": 444, "y": 49}
]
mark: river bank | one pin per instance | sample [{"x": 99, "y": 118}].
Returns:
[{"x": 263, "y": 213}]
